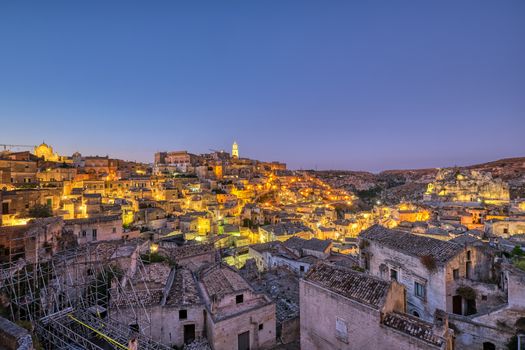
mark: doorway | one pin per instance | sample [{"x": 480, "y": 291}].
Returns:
[
  {"x": 243, "y": 341},
  {"x": 457, "y": 302},
  {"x": 189, "y": 333}
]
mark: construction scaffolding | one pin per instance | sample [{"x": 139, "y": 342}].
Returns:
[{"x": 70, "y": 297}]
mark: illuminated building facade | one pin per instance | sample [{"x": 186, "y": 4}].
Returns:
[{"x": 235, "y": 151}]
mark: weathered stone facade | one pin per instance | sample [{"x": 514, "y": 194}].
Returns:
[
  {"x": 431, "y": 270},
  {"x": 453, "y": 185},
  {"x": 345, "y": 309}
]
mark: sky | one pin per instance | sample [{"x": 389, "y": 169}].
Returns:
[{"x": 360, "y": 85}]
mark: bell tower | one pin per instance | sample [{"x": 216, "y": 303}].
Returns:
[{"x": 235, "y": 150}]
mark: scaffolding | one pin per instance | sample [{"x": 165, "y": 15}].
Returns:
[{"x": 69, "y": 298}]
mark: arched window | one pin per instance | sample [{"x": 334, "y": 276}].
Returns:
[{"x": 415, "y": 313}]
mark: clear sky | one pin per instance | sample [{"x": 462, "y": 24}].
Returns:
[{"x": 363, "y": 85}]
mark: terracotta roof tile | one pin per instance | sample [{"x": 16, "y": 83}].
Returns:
[
  {"x": 351, "y": 284},
  {"x": 412, "y": 326},
  {"x": 411, "y": 244}
]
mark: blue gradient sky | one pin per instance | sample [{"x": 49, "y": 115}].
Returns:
[{"x": 329, "y": 84}]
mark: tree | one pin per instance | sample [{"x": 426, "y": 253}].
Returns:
[{"x": 40, "y": 211}]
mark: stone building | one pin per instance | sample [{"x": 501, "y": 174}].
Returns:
[
  {"x": 313, "y": 247},
  {"x": 14, "y": 173},
  {"x": 38, "y": 239},
  {"x": 175, "y": 313},
  {"x": 100, "y": 166},
  {"x": 271, "y": 255},
  {"x": 17, "y": 203},
  {"x": 505, "y": 228},
  {"x": 344, "y": 309},
  {"x": 455, "y": 185},
  {"x": 102, "y": 228},
  {"x": 236, "y": 316},
  {"x": 495, "y": 328},
  {"x": 431, "y": 270},
  {"x": 191, "y": 256},
  {"x": 283, "y": 231}
]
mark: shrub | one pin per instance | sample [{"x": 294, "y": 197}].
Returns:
[
  {"x": 429, "y": 262},
  {"x": 520, "y": 324},
  {"x": 466, "y": 292},
  {"x": 152, "y": 258},
  {"x": 40, "y": 211}
]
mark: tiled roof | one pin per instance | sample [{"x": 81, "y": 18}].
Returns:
[
  {"x": 155, "y": 272},
  {"x": 285, "y": 229},
  {"x": 221, "y": 280},
  {"x": 183, "y": 291},
  {"x": 310, "y": 244},
  {"x": 274, "y": 248},
  {"x": 412, "y": 326},
  {"x": 350, "y": 284},
  {"x": 411, "y": 244},
  {"x": 93, "y": 220},
  {"x": 467, "y": 239},
  {"x": 189, "y": 250}
]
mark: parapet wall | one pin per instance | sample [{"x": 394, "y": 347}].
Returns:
[{"x": 14, "y": 337}]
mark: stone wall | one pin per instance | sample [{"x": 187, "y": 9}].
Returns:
[
  {"x": 14, "y": 337},
  {"x": 164, "y": 325},
  {"x": 330, "y": 321},
  {"x": 471, "y": 335},
  {"x": 290, "y": 330},
  {"x": 223, "y": 335}
]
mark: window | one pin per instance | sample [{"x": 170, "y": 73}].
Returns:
[
  {"x": 419, "y": 290},
  {"x": 468, "y": 268},
  {"x": 183, "y": 314},
  {"x": 455, "y": 274},
  {"x": 239, "y": 299},
  {"x": 341, "y": 330},
  {"x": 94, "y": 234},
  {"x": 261, "y": 326},
  {"x": 301, "y": 268},
  {"x": 114, "y": 230},
  {"x": 468, "y": 255},
  {"x": 84, "y": 233},
  {"x": 5, "y": 208},
  {"x": 393, "y": 274},
  {"x": 415, "y": 313},
  {"x": 505, "y": 230}
]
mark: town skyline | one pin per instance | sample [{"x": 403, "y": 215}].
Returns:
[
  {"x": 348, "y": 86},
  {"x": 126, "y": 156}
]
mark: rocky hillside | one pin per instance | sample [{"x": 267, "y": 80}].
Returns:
[{"x": 393, "y": 186}]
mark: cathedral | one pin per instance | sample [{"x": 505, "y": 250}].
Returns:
[{"x": 45, "y": 152}]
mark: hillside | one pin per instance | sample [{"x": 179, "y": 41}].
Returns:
[{"x": 395, "y": 185}]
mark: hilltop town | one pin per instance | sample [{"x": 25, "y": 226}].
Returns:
[{"x": 218, "y": 251}]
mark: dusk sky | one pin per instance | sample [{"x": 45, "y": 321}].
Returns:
[{"x": 361, "y": 85}]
